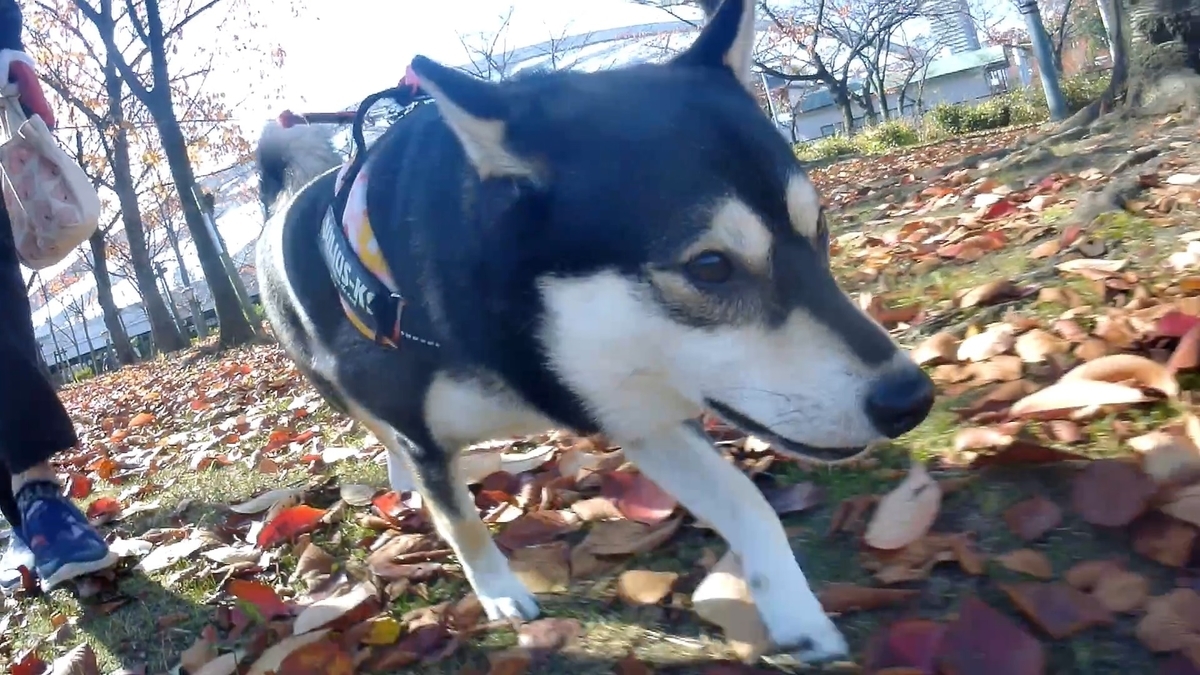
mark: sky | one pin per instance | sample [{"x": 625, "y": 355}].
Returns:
[{"x": 339, "y": 51}]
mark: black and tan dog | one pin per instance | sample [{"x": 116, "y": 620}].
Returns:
[{"x": 615, "y": 251}]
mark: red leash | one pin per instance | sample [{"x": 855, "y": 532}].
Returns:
[{"x": 288, "y": 119}]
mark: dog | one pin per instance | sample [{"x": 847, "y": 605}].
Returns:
[{"x": 615, "y": 252}]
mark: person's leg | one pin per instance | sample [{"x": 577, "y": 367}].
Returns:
[{"x": 33, "y": 427}]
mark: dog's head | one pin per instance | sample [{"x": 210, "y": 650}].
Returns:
[{"x": 679, "y": 251}]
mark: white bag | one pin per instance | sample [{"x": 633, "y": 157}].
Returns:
[{"x": 51, "y": 202}]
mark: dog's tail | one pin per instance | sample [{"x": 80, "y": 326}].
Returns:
[{"x": 289, "y": 156}]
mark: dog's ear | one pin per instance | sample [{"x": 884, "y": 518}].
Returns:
[
  {"x": 477, "y": 111},
  {"x": 727, "y": 40}
]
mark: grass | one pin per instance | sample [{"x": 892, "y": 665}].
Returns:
[{"x": 164, "y": 612}]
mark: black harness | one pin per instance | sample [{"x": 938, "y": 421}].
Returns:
[{"x": 375, "y": 306}]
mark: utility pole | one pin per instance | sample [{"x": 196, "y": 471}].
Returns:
[{"x": 1045, "y": 59}]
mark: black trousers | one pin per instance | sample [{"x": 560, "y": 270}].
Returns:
[{"x": 33, "y": 423}]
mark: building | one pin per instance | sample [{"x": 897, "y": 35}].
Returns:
[
  {"x": 952, "y": 25},
  {"x": 968, "y": 77}
]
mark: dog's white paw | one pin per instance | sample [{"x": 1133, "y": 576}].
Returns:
[
  {"x": 503, "y": 596},
  {"x": 812, "y": 641},
  {"x": 522, "y": 607}
]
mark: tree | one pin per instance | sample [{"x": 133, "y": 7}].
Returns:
[
  {"x": 156, "y": 95},
  {"x": 69, "y": 66},
  {"x": 488, "y": 51},
  {"x": 826, "y": 42}
]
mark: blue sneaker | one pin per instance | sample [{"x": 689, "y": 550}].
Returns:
[
  {"x": 64, "y": 543},
  {"x": 16, "y": 556}
]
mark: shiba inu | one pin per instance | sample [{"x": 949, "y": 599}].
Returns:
[{"x": 612, "y": 252}]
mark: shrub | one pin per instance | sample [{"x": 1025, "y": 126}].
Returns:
[
  {"x": 824, "y": 148},
  {"x": 887, "y": 136},
  {"x": 1082, "y": 89}
]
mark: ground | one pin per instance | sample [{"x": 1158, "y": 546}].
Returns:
[{"x": 947, "y": 244}]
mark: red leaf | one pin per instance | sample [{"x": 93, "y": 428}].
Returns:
[
  {"x": 638, "y": 497},
  {"x": 999, "y": 210},
  {"x": 1176, "y": 324},
  {"x": 104, "y": 508},
  {"x": 289, "y": 524},
  {"x": 263, "y": 597},
  {"x": 983, "y": 641},
  {"x": 912, "y": 643},
  {"x": 79, "y": 486}
]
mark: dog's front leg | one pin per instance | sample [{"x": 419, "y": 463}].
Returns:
[{"x": 683, "y": 462}]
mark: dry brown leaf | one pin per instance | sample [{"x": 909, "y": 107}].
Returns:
[
  {"x": 906, "y": 513},
  {"x": 1111, "y": 493},
  {"x": 1164, "y": 539},
  {"x": 1184, "y": 504},
  {"x": 1172, "y": 621},
  {"x": 1056, "y": 608},
  {"x": 1122, "y": 592},
  {"x": 355, "y": 605},
  {"x": 625, "y": 537},
  {"x": 992, "y": 342},
  {"x": 989, "y": 293},
  {"x": 1038, "y": 345},
  {"x": 1087, "y": 575},
  {"x": 1170, "y": 455},
  {"x": 271, "y": 660},
  {"x": 1027, "y": 561},
  {"x": 981, "y": 438},
  {"x": 982, "y": 641},
  {"x": 1064, "y": 396},
  {"x": 936, "y": 349},
  {"x": 596, "y": 508},
  {"x": 723, "y": 599},
  {"x": 79, "y": 661},
  {"x": 644, "y": 587},
  {"x": 543, "y": 569},
  {"x": 843, "y": 598},
  {"x": 1033, "y": 517},
  {"x": 1118, "y": 368},
  {"x": 515, "y": 661}
]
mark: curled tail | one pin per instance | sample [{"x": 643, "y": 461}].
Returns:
[{"x": 289, "y": 156}]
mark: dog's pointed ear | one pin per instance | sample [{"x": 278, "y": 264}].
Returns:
[
  {"x": 726, "y": 41},
  {"x": 477, "y": 112}
]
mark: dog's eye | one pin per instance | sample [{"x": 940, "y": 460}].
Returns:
[{"x": 709, "y": 267}]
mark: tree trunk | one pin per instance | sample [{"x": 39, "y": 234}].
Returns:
[
  {"x": 87, "y": 336},
  {"x": 208, "y": 206},
  {"x": 193, "y": 304},
  {"x": 235, "y": 328},
  {"x": 104, "y": 295},
  {"x": 841, "y": 98},
  {"x": 162, "y": 327}
]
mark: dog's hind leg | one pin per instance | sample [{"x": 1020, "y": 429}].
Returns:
[
  {"x": 501, "y": 593},
  {"x": 683, "y": 462}
]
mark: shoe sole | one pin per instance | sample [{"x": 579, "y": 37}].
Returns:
[{"x": 74, "y": 570}]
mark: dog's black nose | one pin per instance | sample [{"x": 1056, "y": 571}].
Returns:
[{"x": 900, "y": 401}]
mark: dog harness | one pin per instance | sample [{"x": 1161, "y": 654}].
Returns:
[{"x": 368, "y": 290}]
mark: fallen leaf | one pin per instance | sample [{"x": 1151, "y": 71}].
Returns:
[
  {"x": 509, "y": 662},
  {"x": 1038, "y": 345},
  {"x": 322, "y": 657},
  {"x": 625, "y": 537},
  {"x": 549, "y": 635},
  {"x": 270, "y": 662},
  {"x": 1087, "y": 575},
  {"x": 1118, "y": 368},
  {"x": 906, "y": 513},
  {"x": 843, "y": 598},
  {"x": 992, "y": 342},
  {"x": 261, "y": 596},
  {"x": 644, "y": 587},
  {"x": 536, "y": 528},
  {"x": 165, "y": 556},
  {"x": 1056, "y": 608},
  {"x": 357, "y": 494},
  {"x": 289, "y": 524},
  {"x": 911, "y": 644},
  {"x": 982, "y": 641},
  {"x": 1067, "y": 395},
  {"x": 1164, "y": 539},
  {"x": 1033, "y": 517},
  {"x": 265, "y": 501},
  {"x": 1027, "y": 561},
  {"x": 989, "y": 294},
  {"x": 638, "y": 497},
  {"x": 543, "y": 569},
  {"x": 384, "y": 630},
  {"x": 723, "y": 599},
  {"x": 1186, "y": 357},
  {"x": 1122, "y": 592},
  {"x": 596, "y": 508},
  {"x": 1111, "y": 493},
  {"x": 79, "y": 661},
  {"x": 1170, "y": 455},
  {"x": 359, "y": 603},
  {"x": 1171, "y": 622},
  {"x": 938, "y": 348}
]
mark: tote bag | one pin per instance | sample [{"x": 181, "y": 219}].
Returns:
[{"x": 51, "y": 204}]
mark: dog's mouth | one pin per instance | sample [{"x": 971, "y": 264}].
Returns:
[{"x": 786, "y": 446}]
